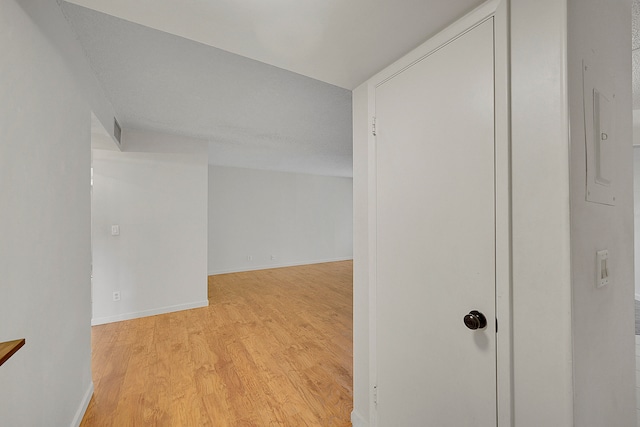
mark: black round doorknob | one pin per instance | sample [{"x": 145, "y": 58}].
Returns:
[{"x": 475, "y": 320}]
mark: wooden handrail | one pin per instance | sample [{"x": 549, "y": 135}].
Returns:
[{"x": 8, "y": 349}]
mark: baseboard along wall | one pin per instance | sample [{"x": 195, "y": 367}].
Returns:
[
  {"x": 77, "y": 419},
  {"x": 281, "y": 265},
  {"x": 145, "y": 313}
]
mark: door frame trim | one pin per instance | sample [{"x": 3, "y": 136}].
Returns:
[{"x": 498, "y": 10}]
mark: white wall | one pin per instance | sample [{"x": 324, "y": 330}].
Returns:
[
  {"x": 636, "y": 198},
  {"x": 636, "y": 233},
  {"x": 603, "y": 319},
  {"x": 361, "y": 264},
  {"x": 156, "y": 191},
  {"x": 542, "y": 350},
  {"x": 554, "y": 302},
  {"x": 298, "y": 218},
  {"x": 636, "y": 127},
  {"x": 45, "y": 212}
]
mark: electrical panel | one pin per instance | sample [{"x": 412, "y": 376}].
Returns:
[{"x": 600, "y": 137}]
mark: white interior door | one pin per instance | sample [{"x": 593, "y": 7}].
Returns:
[{"x": 436, "y": 238}]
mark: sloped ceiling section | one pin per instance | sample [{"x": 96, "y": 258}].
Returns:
[
  {"x": 254, "y": 114},
  {"x": 342, "y": 42}
]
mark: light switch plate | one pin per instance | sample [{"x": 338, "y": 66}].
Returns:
[
  {"x": 602, "y": 268},
  {"x": 115, "y": 230}
]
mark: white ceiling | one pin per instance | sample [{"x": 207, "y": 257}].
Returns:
[
  {"x": 243, "y": 86},
  {"x": 266, "y": 82},
  {"x": 253, "y": 115},
  {"x": 341, "y": 42}
]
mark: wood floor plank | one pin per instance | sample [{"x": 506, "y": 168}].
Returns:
[{"x": 273, "y": 348}]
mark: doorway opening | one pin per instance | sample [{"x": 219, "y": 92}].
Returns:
[{"x": 100, "y": 140}]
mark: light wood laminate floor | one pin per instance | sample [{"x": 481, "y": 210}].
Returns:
[{"x": 274, "y": 348}]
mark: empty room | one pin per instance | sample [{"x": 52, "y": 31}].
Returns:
[{"x": 322, "y": 213}]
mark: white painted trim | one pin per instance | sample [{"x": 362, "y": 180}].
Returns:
[
  {"x": 357, "y": 420},
  {"x": 77, "y": 419},
  {"x": 373, "y": 250},
  {"x": 146, "y": 313},
  {"x": 498, "y": 10},
  {"x": 444, "y": 37},
  {"x": 282, "y": 265},
  {"x": 503, "y": 255}
]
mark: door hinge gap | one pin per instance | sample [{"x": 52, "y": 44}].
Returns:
[{"x": 373, "y": 127}]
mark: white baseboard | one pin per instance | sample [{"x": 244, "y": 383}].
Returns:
[
  {"x": 77, "y": 419},
  {"x": 145, "y": 313},
  {"x": 357, "y": 420},
  {"x": 278, "y": 265}
]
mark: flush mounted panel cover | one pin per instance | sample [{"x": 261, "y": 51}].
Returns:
[{"x": 599, "y": 105}]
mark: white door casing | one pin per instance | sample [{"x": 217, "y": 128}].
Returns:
[{"x": 441, "y": 227}]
